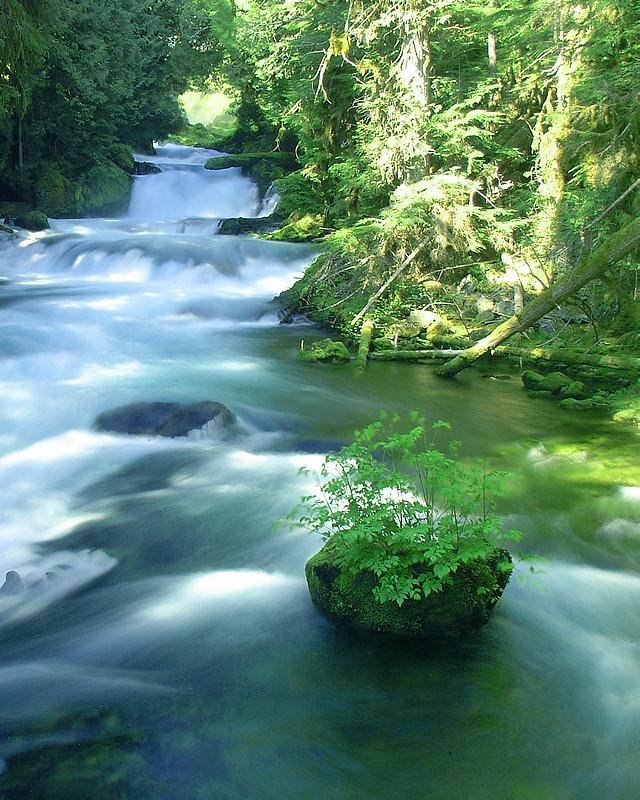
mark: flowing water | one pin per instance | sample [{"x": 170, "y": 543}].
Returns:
[{"x": 161, "y": 643}]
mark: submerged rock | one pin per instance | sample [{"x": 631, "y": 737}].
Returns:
[
  {"x": 164, "y": 419},
  {"x": 145, "y": 168},
  {"x": 237, "y": 226},
  {"x": 13, "y": 584},
  {"x": 326, "y": 351},
  {"x": 464, "y": 605}
]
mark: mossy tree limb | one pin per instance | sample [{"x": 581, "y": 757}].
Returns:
[
  {"x": 588, "y": 269},
  {"x": 366, "y": 333},
  {"x": 534, "y": 355}
]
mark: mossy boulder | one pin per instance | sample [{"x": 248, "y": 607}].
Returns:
[
  {"x": 263, "y": 168},
  {"x": 121, "y": 155},
  {"x": 54, "y": 193},
  {"x": 575, "y": 390},
  {"x": 533, "y": 380},
  {"x": 596, "y": 404},
  {"x": 103, "y": 189},
  {"x": 302, "y": 229},
  {"x": 555, "y": 382},
  {"x": 464, "y": 605},
  {"x": 33, "y": 221},
  {"x": 326, "y": 351}
]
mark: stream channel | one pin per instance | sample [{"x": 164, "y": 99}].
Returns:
[{"x": 164, "y": 645}]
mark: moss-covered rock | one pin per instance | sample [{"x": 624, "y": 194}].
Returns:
[
  {"x": 533, "y": 380},
  {"x": 576, "y": 390},
  {"x": 626, "y": 405},
  {"x": 33, "y": 221},
  {"x": 304, "y": 229},
  {"x": 263, "y": 168},
  {"x": 121, "y": 155},
  {"x": 589, "y": 404},
  {"x": 103, "y": 189},
  {"x": 326, "y": 351},
  {"x": 461, "y": 606},
  {"x": 54, "y": 193},
  {"x": 555, "y": 382}
]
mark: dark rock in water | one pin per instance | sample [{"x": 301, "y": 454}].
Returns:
[
  {"x": 145, "y": 168},
  {"x": 459, "y": 607},
  {"x": 237, "y": 226},
  {"x": 163, "y": 419},
  {"x": 13, "y": 584}
]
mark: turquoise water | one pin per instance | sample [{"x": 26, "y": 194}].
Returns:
[{"x": 165, "y": 645}]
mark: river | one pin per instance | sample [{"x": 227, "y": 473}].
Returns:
[{"x": 164, "y": 645}]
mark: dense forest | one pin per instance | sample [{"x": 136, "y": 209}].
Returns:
[
  {"x": 83, "y": 82},
  {"x": 453, "y": 157}
]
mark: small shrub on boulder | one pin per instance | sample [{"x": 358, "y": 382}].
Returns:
[{"x": 413, "y": 557}]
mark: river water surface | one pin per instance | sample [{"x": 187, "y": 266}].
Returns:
[{"x": 163, "y": 644}]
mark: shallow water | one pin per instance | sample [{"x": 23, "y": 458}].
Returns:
[{"x": 164, "y": 645}]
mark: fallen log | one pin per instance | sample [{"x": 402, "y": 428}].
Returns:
[
  {"x": 591, "y": 267},
  {"x": 536, "y": 354},
  {"x": 413, "y": 355}
]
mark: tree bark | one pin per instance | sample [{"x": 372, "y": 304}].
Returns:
[{"x": 590, "y": 267}]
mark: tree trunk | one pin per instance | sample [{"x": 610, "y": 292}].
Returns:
[{"x": 588, "y": 269}]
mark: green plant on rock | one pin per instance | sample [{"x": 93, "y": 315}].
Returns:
[{"x": 396, "y": 505}]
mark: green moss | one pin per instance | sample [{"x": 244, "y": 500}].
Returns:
[
  {"x": 121, "y": 155},
  {"x": 463, "y": 605},
  {"x": 575, "y": 390},
  {"x": 33, "y": 221},
  {"x": 555, "y": 382},
  {"x": 589, "y": 404},
  {"x": 263, "y": 168},
  {"x": 105, "y": 188},
  {"x": 298, "y": 196},
  {"x": 326, "y": 351},
  {"x": 54, "y": 193},
  {"x": 540, "y": 394},
  {"x": 305, "y": 229},
  {"x": 626, "y": 405},
  {"x": 533, "y": 380}
]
